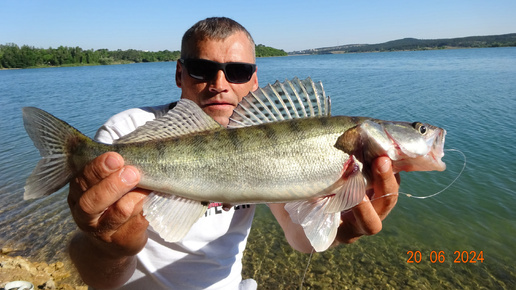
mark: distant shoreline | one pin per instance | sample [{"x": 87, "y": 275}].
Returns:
[
  {"x": 345, "y": 52},
  {"x": 304, "y": 54},
  {"x": 70, "y": 65},
  {"x": 97, "y": 64},
  {"x": 413, "y": 44},
  {"x": 13, "y": 56}
]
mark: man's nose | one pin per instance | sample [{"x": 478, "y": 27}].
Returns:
[{"x": 219, "y": 83}]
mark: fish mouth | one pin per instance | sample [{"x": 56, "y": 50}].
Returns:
[
  {"x": 424, "y": 155},
  {"x": 433, "y": 159},
  {"x": 437, "y": 149}
]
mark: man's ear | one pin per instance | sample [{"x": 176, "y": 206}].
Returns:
[
  {"x": 255, "y": 80},
  {"x": 179, "y": 72}
]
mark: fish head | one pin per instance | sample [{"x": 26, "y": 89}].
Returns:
[{"x": 411, "y": 146}]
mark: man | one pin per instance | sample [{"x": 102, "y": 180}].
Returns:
[{"x": 115, "y": 246}]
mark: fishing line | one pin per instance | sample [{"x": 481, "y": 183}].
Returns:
[
  {"x": 432, "y": 195},
  {"x": 460, "y": 173},
  {"x": 306, "y": 270}
]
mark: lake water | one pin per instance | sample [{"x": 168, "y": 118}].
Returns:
[{"x": 471, "y": 93}]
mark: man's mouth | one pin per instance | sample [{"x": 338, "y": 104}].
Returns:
[{"x": 215, "y": 105}]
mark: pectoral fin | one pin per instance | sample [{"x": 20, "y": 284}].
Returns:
[
  {"x": 172, "y": 216},
  {"x": 320, "y": 217},
  {"x": 352, "y": 190}
]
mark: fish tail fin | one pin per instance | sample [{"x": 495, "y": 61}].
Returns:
[{"x": 52, "y": 137}]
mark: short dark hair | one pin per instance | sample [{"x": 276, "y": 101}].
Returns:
[{"x": 216, "y": 28}]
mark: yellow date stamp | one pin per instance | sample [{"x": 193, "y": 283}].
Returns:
[{"x": 458, "y": 257}]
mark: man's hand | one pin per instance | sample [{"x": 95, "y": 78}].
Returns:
[
  {"x": 105, "y": 204},
  {"x": 366, "y": 218},
  {"x": 108, "y": 209}
]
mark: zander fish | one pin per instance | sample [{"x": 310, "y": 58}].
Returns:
[{"x": 281, "y": 145}]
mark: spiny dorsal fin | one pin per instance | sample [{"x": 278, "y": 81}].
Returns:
[
  {"x": 281, "y": 101},
  {"x": 185, "y": 118}
]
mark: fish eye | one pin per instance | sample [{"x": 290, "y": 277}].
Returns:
[{"x": 420, "y": 127}]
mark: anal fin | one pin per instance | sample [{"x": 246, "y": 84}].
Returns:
[
  {"x": 172, "y": 216},
  {"x": 320, "y": 217},
  {"x": 320, "y": 227}
]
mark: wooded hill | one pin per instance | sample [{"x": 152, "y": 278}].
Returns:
[{"x": 419, "y": 44}]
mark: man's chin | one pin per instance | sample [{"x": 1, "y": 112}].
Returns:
[{"x": 219, "y": 113}]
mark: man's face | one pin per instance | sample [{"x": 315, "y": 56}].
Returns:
[{"x": 218, "y": 97}]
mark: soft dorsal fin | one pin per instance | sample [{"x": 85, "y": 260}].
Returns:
[
  {"x": 281, "y": 101},
  {"x": 185, "y": 118}
]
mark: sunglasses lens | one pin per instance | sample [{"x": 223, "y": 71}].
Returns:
[
  {"x": 200, "y": 69},
  {"x": 239, "y": 72}
]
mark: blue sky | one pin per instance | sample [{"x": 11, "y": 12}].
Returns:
[{"x": 290, "y": 25}]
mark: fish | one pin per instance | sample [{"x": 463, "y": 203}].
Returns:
[{"x": 281, "y": 146}]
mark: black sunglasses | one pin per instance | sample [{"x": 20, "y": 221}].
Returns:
[{"x": 206, "y": 70}]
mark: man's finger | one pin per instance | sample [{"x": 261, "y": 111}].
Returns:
[
  {"x": 386, "y": 186},
  {"x": 367, "y": 220},
  {"x": 101, "y": 167},
  {"x": 136, "y": 229},
  {"x": 128, "y": 206},
  {"x": 98, "y": 169},
  {"x": 109, "y": 190}
]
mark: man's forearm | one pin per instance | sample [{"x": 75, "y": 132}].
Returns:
[{"x": 97, "y": 267}]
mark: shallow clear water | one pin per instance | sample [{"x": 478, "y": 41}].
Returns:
[{"x": 470, "y": 93}]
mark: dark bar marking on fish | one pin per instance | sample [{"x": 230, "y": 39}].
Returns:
[
  {"x": 324, "y": 121},
  {"x": 295, "y": 126},
  {"x": 161, "y": 148},
  {"x": 270, "y": 132},
  {"x": 200, "y": 141},
  {"x": 234, "y": 138},
  {"x": 217, "y": 135}
]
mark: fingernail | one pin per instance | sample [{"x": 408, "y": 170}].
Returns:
[
  {"x": 384, "y": 166},
  {"x": 128, "y": 175},
  {"x": 112, "y": 163}
]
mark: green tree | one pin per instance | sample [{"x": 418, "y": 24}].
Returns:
[
  {"x": 266, "y": 51},
  {"x": 11, "y": 57}
]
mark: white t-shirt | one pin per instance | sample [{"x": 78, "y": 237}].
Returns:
[{"x": 210, "y": 256}]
